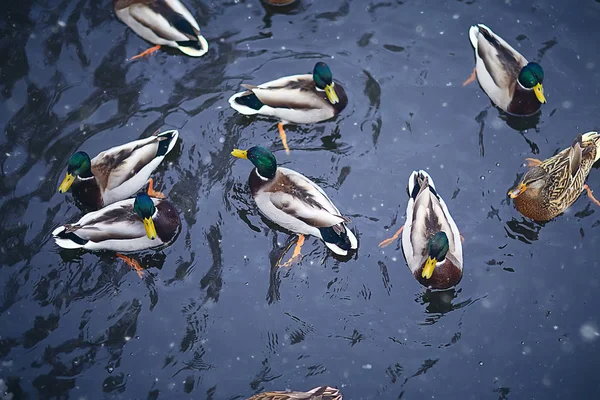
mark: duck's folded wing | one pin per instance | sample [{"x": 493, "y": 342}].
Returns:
[
  {"x": 500, "y": 59},
  {"x": 114, "y": 166},
  {"x": 305, "y": 210},
  {"x": 428, "y": 216},
  {"x": 296, "y": 92},
  {"x": 164, "y": 21},
  {"x": 111, "y": 223}
]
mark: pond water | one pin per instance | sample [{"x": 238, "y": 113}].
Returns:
[{"x": 213, "y": 318}]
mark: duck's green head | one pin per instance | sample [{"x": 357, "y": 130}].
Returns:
[
  {"x": 532, "y": 77},
  {"x": 324, "y": 81},
  {"x": 144, "y": 207},
  {"x": 79, "y": 165},
  {"x": 437, "y": 248},
  {"x": 263, "y": 160}
]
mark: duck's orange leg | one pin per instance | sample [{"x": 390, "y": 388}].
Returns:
[
  {"x": 471, "y": 78},
  {"x": 533, "y": 162},
  {"x": 296, "y": 254},
  {"x": 283, "y": 137},
  {"x": 146, "y": 53},
  {"x": 590, "y": 195},
  {"x": 152, "y": 192},
  {"x": 389, "y": 241},
  {"x": 132, "y": 263}
]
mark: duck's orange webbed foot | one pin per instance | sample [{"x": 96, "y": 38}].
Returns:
[
  {"x": 152, "y": 192},
  {"x": 533, "y": 162},
  {"x": 295, "y": 255},
  {"x": 133, "y": 264},
  {"x": 590, "y": 195},
  {"x": 283, "y": 137},
  {"x": 389, "y": 241},
  {"x": 471, "y": 78},
  {"x": 146, "y": 53}
]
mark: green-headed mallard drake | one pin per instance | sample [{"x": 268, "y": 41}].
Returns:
[
  {"x": 549, "y": 187},
  {"x": 296, "y": 203},
  {"x": 298, "y": 99},
  {"x": 117, "y": 173},
  {"x": 509, "y": 80},
  {"x": 318, "y": 393},
  {"x": 431, "y": 241},
  {"x": 163, "y": 23},
  {"x": 134, "y": 224}
]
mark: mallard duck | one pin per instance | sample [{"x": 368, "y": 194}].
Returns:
[
  {"x": 298, "y": 99},
  {"x": 163, "y": 23},
  {"x": 431, "y": 241},
  {"x": 117, "y": 173},
  {"x": 509, "y": 80},
  {"x": 549, "y": 187},
  {"x": 318, "y": 393},
  {"x": 296, "y": 203},
  {"x": 128, "y": 225}
]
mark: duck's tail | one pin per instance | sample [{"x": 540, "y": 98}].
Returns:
[
  {"x": 67, "y": 239},
  {"x": 194, "y": 48},
  {"x": 594, "y": 136},
  {"x": 340, "y": 241},
  {"x": 166, "y": 145}
]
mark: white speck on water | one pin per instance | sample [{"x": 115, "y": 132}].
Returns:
[
  {"x": 7, "y": 154},
  {"x": 110, "y": 370},
  {"x": 62, "y": 23},
  {"x": 441, "y": 166},
  {"x": 67, "y": 107},
  {"x": 481, "y": 363},
  {"x": 373, "y": 208},
  {"x": 444, "y": 104},
  {"x": 455, "y": 16},
  {"x": 441, "y": 32},
  {"x": 419, "y": 28},
  {"x": 555, "y": 327},
  {"x": 589, "y": 331},
  {"x": 526, "y": 350},
  {"x": 282, "y": 47},
  {"x": 346, "y": 374},
  {"x": 482, "y": 177},
  {"x": 171, "y": 345},
  {"x": 127, "y": 338},
  {"x": 567, "y": 104},
  {"x": 367, "y": 366},
  {"x": 221, "y": 139},
  {"x": 449, "y": 84},
  {"x": 394, "y": 259}
]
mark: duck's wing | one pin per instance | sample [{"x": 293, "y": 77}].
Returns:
[
  {"x": 117, "y": 221},
  {"x": 297, "y": 92},
  {"x": 168, "y": 19},
  {"x": 115, "y": 166},
  {"x": 501, "y": 60},
  {"x": 301, "y": 198}
]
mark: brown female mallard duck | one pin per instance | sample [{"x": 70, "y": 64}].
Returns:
[
  {"x": 509, "y": 80},
  {"x": 318, "y": 393},
  {"x": 164, "y": 23},
  {"x": 551, "y": 186}
]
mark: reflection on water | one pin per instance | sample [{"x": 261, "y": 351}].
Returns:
[{"x": 213, "y": 316}]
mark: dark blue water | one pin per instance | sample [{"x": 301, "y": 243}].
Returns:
[{"x": 213, "y": 318}]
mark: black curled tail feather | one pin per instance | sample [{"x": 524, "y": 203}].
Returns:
[
  {"x": 164, "y": 142},
  {"x": 66, "y": 234},
  {"x": 340, "y": 239},
  {"x": 250, "y": 100}
]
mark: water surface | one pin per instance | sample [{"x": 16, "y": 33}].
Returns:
[{"x": 213, "y": 319}]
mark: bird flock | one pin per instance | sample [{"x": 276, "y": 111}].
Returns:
[{"x": 123, "y": 219}]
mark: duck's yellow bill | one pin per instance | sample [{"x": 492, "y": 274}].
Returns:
[
  {"x": 539, "y": 93},
  {"x": 331, "y": 94},
  {"x": 429, "y": 267},
  {"x": 66, "y": 183},
  {"x": 240, "y": 153},
  {"x": 150, "y": 229},
  {"x": 516, "y": 192}
]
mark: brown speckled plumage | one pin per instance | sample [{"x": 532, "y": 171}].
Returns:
[{"x": 558, "y": 181}]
